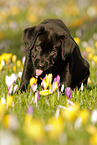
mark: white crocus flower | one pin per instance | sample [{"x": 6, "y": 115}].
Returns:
[
  {"x": 20, "y": 75},
  {"x": 94, "y": 116},
  {"x": 3, "y": 101},
  {"x": 3, "y": 63},
  {"x": 9, "y": 81},
  {"x": 23, "y": 60},
  {"x": 14, "y": 77}
]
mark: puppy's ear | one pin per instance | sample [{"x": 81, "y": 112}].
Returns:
[
  {"x": 68, "y": 45},
  {"x": 28, "y": 36}
]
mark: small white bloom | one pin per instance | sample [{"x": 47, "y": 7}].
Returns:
[
  {"x": 23, "y": 60},
  {"x": 9, "y": 81},
  {"x": 94, "y": 116},
  {"x": 57, "y": 113},
  {"x": 3, "y": 62},
  {"x": 3, "y": 101},
  {"x": 14, "y": 77},
  {"x": 15, "y": 88},
  {"x": 10, "y": 90},
  {"x": 62, "y": 88},
  {"x": 20, "y": 75},
  {"x": 91, "y": 11},
  {"x": 78, "y": 123},
  {"x": 82, "y": 86}
]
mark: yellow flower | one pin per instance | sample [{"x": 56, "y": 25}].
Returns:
[
  {"x": 1, "y": 67},
  {"x": 77, "y": 40},
  {"x": 2, "y": 109},
  {"x": 93, "y": 139},
  {"x": 14, "y": 11},
  {"x": 6, "y": 57},
  {"x": 1, "y": 35},
  {"x": 91, "y": 129},
  {"x": 9, "y": 100},
  {"x": 89, "y": 80},
  {"x": 44, "y": 92},
  {"x": 14, "y": 57},
  {"x": 55, "y": 86},
  {"x": 95, "y": 59},
  {"x": 84, "y": 115},
  {"x": 33, "y": 81},
  {"x": 90, "y": 56},
  {"x": 33, "y": 18},
  {"x": 35, "y": 131},
  {"x": 88, "y": 49},
  {"x": 14, "y": 68},
  {"x": 56, "y": 127},
  {"x": 28, "y": 119},
  {"x": 96, "y": 44},
  {"x": 49, "y": 79},
  {"x": 18, "y": 63},
  {"x": 70, "y": 113}
]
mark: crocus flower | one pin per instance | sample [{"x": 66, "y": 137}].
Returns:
[
  {"x": 9, "y": 100},
  {"x": 68, "y": 92},
  {"x": 14, "y": 57},
  {"x": 20, "y": 75},
  {"x": 34, "y": 88},
  {"x": 56, "y": 127},
  {"x": 15, "y": 88},
  {"x": 11, "y": 122},
  {"x": 94, "y": 116},
  {"x": 36, "y": 97},
  {"x": 30, "y": 109},
  {"x": 1, "y": 67},
  {"x": 23, "y": 60},
  {"x": 18, "y": 63},
  {"x": 33, "y": 81}
]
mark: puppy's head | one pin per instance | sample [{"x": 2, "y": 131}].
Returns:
[{"x": 46, "y": 45}]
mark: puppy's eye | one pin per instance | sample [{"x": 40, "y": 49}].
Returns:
[{"x": 38, "y": 48}]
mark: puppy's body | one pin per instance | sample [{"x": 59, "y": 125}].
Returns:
[{"x": 51, "y": 49}]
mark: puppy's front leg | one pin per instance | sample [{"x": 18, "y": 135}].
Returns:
[{"x": 28, "y": 72}]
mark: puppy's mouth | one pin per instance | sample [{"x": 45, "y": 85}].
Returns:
[{"x": 39, "y": 72}]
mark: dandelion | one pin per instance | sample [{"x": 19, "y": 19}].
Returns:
[{"x": 68, "y": 92}]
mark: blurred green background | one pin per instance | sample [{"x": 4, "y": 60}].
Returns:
[{"x": 80, "y": 16}]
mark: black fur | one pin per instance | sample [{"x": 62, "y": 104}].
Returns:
[{"x": 51, "y": 48}]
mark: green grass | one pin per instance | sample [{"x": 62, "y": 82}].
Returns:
[{"x": 47, "y": 105}]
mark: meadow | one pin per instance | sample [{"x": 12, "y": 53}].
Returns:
[{"x": 54, "y": 115}]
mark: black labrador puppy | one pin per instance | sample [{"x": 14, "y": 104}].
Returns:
[{"x": 51, "y": 49}]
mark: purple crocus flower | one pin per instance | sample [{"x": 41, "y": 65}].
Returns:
[
  {"x": 58, "y": 79},
  {"x": 68, "y": 92},
  {"x": 84, "y": 54},
  {"x": 30, "y": 109}
]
